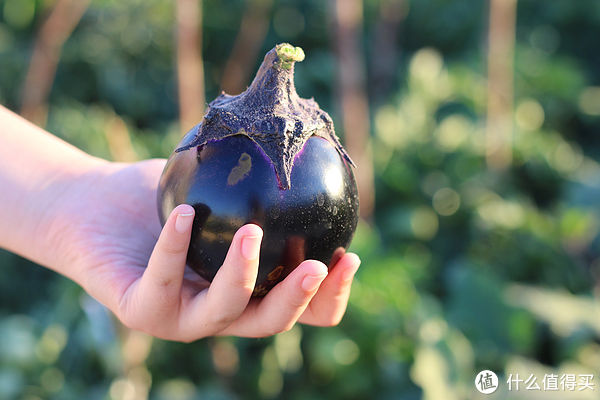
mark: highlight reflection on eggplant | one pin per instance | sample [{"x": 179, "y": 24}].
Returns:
[{"x": 267, "y": 157}]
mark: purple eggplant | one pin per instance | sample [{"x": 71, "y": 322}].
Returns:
[{"x": 270, "y": 158}]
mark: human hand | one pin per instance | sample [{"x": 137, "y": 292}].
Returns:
[{"x": 138, "y": 271}]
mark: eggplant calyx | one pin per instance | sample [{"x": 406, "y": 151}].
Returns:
[{"x": 270, "y": 113}]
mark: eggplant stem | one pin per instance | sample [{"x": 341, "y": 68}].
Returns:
[{"x": 288, "y": 55}]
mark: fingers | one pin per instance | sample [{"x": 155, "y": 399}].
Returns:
[
  {"x": 329, "y": 304},
  {"x": 157, "y": 293},
  {"x": 279, "y": 310},
  {"x": 155, "y": 303},
  {"x": 231, "y": 289}
]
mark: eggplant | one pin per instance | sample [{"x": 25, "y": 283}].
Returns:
[{"x": 268, "y": 157}]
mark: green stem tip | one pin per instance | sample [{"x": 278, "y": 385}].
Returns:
[{"x": 288, "y": 55}]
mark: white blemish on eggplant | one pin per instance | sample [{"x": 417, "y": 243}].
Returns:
[{"x": 241, "y": 170}]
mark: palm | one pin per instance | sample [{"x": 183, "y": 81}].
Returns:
[{"x": 119, "y": 235}]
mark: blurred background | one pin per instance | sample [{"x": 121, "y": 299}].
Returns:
[{"x": 476, "y": 128}]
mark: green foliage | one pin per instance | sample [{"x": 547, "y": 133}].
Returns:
[{"x": 464, "y": 268}]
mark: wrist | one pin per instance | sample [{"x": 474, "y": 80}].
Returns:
[{"x": 56, "y": 213}]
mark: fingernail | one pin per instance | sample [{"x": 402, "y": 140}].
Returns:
[
  {"x": 312, "y": 282},
  {"x": 184, "y": 222},
  {"x": 250, "y": 247}
]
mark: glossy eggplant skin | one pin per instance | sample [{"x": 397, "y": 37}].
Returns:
[{"x": 231, "y": 182}]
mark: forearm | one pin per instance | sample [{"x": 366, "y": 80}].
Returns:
[{"x": 36, "y": 171}]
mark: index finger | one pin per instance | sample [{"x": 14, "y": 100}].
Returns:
[{"x": 156, "y": 295}]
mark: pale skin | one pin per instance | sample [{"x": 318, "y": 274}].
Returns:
[{"x": 95, "y": 222}]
